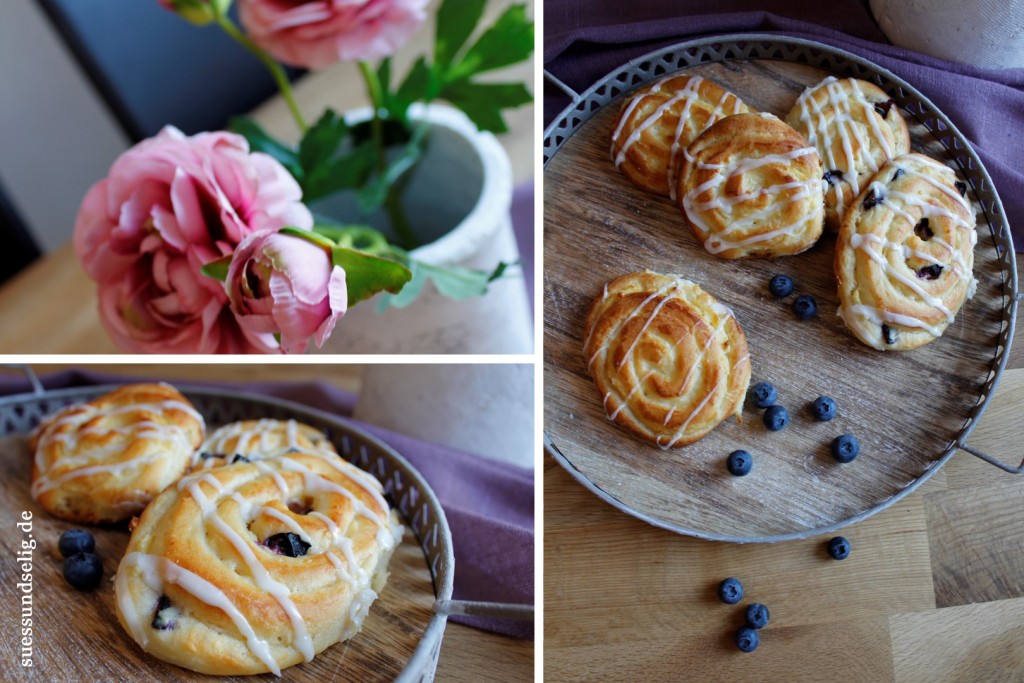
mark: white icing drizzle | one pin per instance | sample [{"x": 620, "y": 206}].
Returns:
[
  {"x": 156, "y": 571},
  {"x": 255, "y": 439},
  {"x": 77, "y": 461},
  {"x": 688, "y": 96}
]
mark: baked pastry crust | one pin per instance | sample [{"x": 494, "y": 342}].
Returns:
[
  {"x": 252, "y": 439},
  {"x": 199, "y": 587},
  {"x": 104, "y": 460},
  {"x": 751, "y": 187},
  {"x": 669, "y": 361},
  {"x": 658, "y": 122},
  {"x": 905, "y": 255},
  {"x": 856, "y": 128}
]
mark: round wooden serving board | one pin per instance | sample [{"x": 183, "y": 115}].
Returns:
[
  {"x": 77, "y": 637},
  {"x": 906, "y": 408}
]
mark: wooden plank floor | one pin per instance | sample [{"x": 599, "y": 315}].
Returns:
[{"x": 932, "y": 591}]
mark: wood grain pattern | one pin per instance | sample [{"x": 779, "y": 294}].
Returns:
[
  {"x": 78, "y": 637},
  {"x": 905, "y": 408},
  {"x": 625, "y": 600}
]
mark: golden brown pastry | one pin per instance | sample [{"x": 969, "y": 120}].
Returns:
[
  {"x": 657, "y": 123},
  {"x": 905, "y": 254},
  {"x": 104, "y": 460},
  {"x": 669, "y": 361},
  {"x": 251, "y": 439},
  {"x": 856, "y": 128},
  {"x": 750, "y": 187},
  {"x": 254, "y": 567}
]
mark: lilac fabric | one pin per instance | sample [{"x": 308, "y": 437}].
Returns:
[
  {"x": 489, "y": 505},
  {"x": 585, "y": 41}
]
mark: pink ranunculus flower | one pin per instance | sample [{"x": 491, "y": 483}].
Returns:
[
  {"x": 169, "y": 205},
  {"x": 282, "y": 284},
  {"x": 318, "y": 33}
]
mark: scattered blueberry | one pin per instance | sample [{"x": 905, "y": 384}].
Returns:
[
  {"x": 730, "y": 591},
  {"x": 288, "y": 544},
  {"x": 961, "y": 187},
  {"x": 845, "y": 447},
  {"x": 775, "y": 418},
  {"x": 739, "y": 463},
  {"x": 923, "y": 231},
  {"x": 829, "y": 175},
  {"x": 83, "y": 571},
  {"x": 763, "y": 394},
  {"x": 839, "y": 548},
  {"x": 931, "y": 272},
  {"x": 872, "y": 200},
  {"x": 757, "y": 615},
  {"x": 805, "y": 307},
  {"x": 781, "y": 286},
  {"x": 747, "y": 639},
  {"x": 883, "y": 107},
  {"x": 76, "y": 541},
  {"x": 824, "y": 408},
  {"x": 165, "y": 617},
  {"x": 897, "y": 174},
  {"x": 888, "y": 334}
]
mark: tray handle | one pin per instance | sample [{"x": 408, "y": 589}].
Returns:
[
  {"x": 493, "y": 610},
  {"x": 33, "y": 379},
  {"x": 558, "y": 83},
  {"x": 992, "y": 461}
]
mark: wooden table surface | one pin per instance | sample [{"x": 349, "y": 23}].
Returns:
[
  {"x": 53, "y": 303},
  {"x": 933, "y": 589},
  {"x": 467, "y": 654}
]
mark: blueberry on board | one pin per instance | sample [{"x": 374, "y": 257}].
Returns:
[
  {"x": 838, "y": 548},
  {"x": 805, "y": 307},
  {"x": 730, "y": 591},
  {"x": 83, "y": 571},
  {"x": 845, "y": 447},
  {"x": 288, "y": 544},
  {"x": 780, "y": 286},
  {"x": 763, "y": 394},
  {"x": 747, "y": 639},
  {"x": 739, "y": 463},
  {"x": 76, "y": 541},
  {"x": 823, "y": 408},
  {"x": 757, "y": 615},
  {"x": 775, "y": 418}
]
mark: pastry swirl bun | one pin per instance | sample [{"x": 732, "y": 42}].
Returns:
[
  {"x": 669, "y": 361},
  {"x": 659, "y": 122},
  {"x": 254, "y": 567},
  {"x": 253, "y": 439},
  {"x": 905, "y": 254},
  {"x": 751, "y": 187},
  {"x": 104, "y": 460},
  {"x": 856, "y": 128}
]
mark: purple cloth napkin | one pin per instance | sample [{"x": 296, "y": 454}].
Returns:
[
  {"x": 585, "y": 41},
  {"x": 522, "y": 224},
  {"x": 489, "y": 505}
]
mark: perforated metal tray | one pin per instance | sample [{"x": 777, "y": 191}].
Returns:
[{"x": 655, "y": 65}]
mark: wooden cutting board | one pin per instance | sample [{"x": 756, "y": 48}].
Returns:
[
  {"x": 906, "y": 408},
  {"x": 76, "y": 636}
]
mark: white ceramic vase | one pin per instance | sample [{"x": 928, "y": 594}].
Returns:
[
  {"x": 984, "y": 33},
  {"x": 465, "y": 178}
]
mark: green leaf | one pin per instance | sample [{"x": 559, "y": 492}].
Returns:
[
  {"x": 409, "y": 293},
  {"x": 375, "y": 193},
  {"x": 345, "y": 172},
  {"x": 414, "y": 88},
  {"x": 316, "y": 238},
  {"x": 384, "y": 73},
  {"x": 456, "y": 20},
  {"x": 322, "y": 141},
  {"x": 508, "y": 41},
  {"x": 483, "y": 102},
  {"x": 260, "y": 141},
  {"x": 365, "y": 275},
  {"x": 218, "y": 269},
  {"x": 361, "y": 237}
]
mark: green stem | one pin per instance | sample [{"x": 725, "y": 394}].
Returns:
[
  {"x": 280, "y": 77},
  {"x": 392, "y": 204}
]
